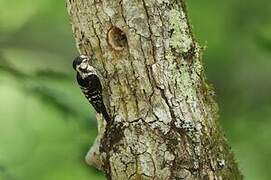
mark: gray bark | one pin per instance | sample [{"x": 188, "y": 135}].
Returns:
[{"x": 164, "y": 119}]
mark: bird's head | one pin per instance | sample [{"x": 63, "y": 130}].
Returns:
[{"x": 82, "y": 66}]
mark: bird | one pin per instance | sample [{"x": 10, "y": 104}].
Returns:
[{"x": 90, "y": 84}]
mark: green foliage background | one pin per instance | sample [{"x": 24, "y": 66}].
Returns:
[{"x": 46, "y": 125}]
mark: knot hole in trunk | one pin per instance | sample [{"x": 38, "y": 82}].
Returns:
[{"x": 116, "y": 39}]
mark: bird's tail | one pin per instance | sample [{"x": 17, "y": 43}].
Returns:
[{"x": 106, "y": 115}]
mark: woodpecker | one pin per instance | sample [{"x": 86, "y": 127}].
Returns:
[{"x": 90, "y": 84}]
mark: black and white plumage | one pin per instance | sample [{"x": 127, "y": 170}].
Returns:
[{"x": 90, "y": 84}]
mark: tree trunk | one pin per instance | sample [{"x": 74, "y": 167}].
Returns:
[{"x": 164, "y": 119}]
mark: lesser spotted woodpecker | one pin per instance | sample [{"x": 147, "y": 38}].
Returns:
[{"x": 90, "y": 84}]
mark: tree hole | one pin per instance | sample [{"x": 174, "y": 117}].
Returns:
[{"x": 116, "y": 38}]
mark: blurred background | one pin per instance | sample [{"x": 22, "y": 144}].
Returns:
[{"x": 46, "y": 125}]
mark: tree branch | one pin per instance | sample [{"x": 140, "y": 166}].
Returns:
[{"x": 164, "y": 116}]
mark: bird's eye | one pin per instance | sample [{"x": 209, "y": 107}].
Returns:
[{"x": 83, "y": 69}]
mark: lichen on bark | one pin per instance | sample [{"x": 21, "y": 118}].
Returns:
[{"x": 164, "y": 119}]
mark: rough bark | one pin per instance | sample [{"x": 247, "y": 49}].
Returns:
[{"x": 164, "y": 119}]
